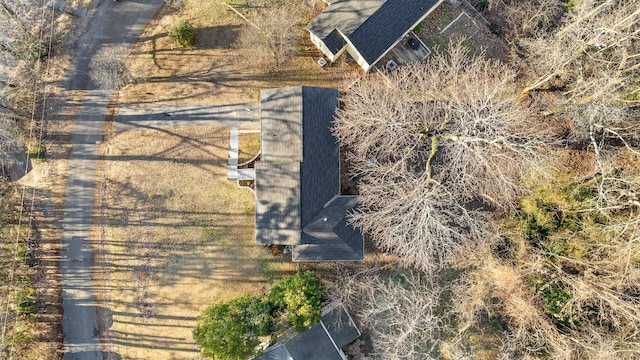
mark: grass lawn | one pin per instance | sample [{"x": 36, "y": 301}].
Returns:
[{"x": 248, "y": 146}]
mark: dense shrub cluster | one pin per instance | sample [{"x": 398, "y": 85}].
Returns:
[
  {"x": 183, "y": 34},
  {"x": 230, "y": 329}
]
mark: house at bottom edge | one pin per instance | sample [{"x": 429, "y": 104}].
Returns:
[
  {"x": 323, "y": 341},
  {"x": 297, "y": 180}
]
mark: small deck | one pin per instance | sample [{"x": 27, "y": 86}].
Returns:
[{"x": 409, "y": 50}]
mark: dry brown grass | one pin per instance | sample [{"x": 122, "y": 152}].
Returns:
[
  {"x": 35, "y": 335},
  {"x": 218, "y": 69},
  {"x": 179, "y": 237},
  {"x": 248, "y": 146}
]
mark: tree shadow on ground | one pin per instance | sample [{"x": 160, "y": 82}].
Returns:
[{"x": 211, "y": 37}]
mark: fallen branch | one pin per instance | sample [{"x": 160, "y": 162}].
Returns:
[{"x": 242, "y": 16}]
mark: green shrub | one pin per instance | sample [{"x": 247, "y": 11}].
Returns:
[
  {"x": 26, "y": 301},
  {"x": 535, "y": 231},
  {"x": 555, "y": 298},
  {"x": 583, "y": 193},
  {"x": 22, "y": 252},
  {"x": 418, "y": 28},
  {"x": 36, "y": 152},
  {"x": 18, "y": 340},
  {"x": 28, "y": 49},
  {"x": 229, "y": 330},
  {"x": 299, "y": 296},
  {"x": 631, "y": 93},
  {"x": 183, "y": 34},
  {"x": 257, "y": 314},
  {"x": 26, "y": 306}
]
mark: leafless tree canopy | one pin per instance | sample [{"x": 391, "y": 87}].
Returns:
[
  {"x": 595, "y": 52},
  {"x": 435, "y": 146},
  {"x": 525, "y": 17},
  {"x": 275, "y": 36},
  {"x": 399, "y": 310},
  {"x": 441, "y": 148},
  {"x": 592, "y": 290}
]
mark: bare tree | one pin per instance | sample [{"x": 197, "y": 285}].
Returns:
[
  {"x": 573, "y": 293},
  {"x": 401, "y": 310},
  {"x": 435, "y": 147},
  {"x": 523, "y": 18},
  {"x": 596, "y": 38},
  {"x": 498, "y": 289},
  {"x": 596, "y": 314},
  {"x": 274, "y": 38}
]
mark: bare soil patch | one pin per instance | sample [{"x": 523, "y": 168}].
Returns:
[{"x": 447, "y": 23}]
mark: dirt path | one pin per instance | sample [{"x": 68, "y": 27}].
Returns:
[{"x": 112, "y": 23}]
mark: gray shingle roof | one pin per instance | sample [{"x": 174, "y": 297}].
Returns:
[
  {"x": 276, "y": 352},
  {"x": 313, "y": 344},
  {"x": 320, "y": 341},
  {"x": 339, "y": 324},
  {"x": 372, "y": 26},
  {"x": 298, "y": 177},
  {"x": 328, "y": 236},
  {"x": 345, "y": 16},
  {"x": 281, "y": 132},
  {"x": 277, "y": 188}
]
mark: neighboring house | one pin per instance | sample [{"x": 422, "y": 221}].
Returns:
[
  {"x": 297, "y": 183},
  {"x": 323, "y": 341},
  {"x": 366, "y": 29}
]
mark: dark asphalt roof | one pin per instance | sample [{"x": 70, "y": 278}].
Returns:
[
  {"x": 336, "y": 329},
  {"x": 298, "y": 177},
  {"x": 345, "y": 16},
  {"x": 328, "y": 236},
  {"x": 320, "y": 168},
  {"x": 372, "y": 26},
  {"x": 275, "y": 352},
  {"x": 299, "y": 167},
  {"x": 313, "y": 344},
  {"x": 334, "y": 41},
  {"x": 339, "y": 324}
]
